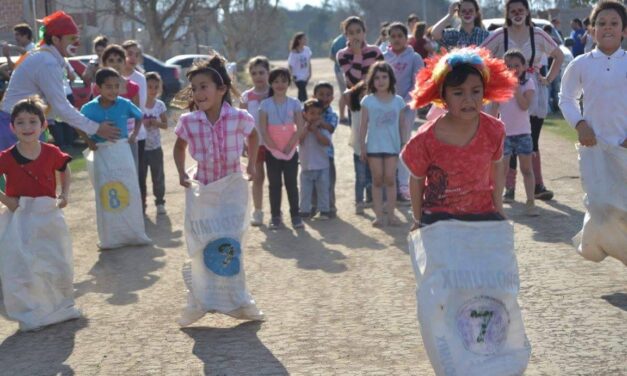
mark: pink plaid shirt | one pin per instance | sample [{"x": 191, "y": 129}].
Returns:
[{"x": 216, "y": 147}]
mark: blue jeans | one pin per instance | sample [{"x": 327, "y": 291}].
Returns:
[
  {"x": 363, "y": 179},
  {"x": 320, "y": 180}
]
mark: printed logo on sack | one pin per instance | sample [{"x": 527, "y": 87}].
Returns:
[
  {"x": 114, "y": 196},
  {"x": 482, "y": 323},
  {"x": 222, "y": 256}
]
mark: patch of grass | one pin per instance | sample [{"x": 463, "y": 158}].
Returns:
[
  {"x": 78, "y": 160},
  {"x": 559, "y": 126}
]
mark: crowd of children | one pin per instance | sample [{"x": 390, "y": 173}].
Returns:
[{"x": 454, "y": 167}]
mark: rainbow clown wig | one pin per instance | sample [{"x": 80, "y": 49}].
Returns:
[{"x": 499, "y": 82}]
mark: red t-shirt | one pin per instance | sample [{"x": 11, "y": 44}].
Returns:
[
  {"x": 132, "y": 89},
  {"x": 32, "y": 178},
  {"x": 419, "y": 46},
  {"x": 458, "y": 178}
]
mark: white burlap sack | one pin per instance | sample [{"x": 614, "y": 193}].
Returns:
[
  {"x": 604, "y": 179},
  {"x": 467, "y": 284},
  {"x": 118, "y": 202},
  {"x": 36, "y": 264},
  {"x": 216, "y": 217}
]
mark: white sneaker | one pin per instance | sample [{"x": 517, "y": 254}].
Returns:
[
  {"x": 161, "y": 209},
  {"x": 256, "y": 219}
]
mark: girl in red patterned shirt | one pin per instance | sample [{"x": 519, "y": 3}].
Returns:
[{"x": 456, "y": 159}]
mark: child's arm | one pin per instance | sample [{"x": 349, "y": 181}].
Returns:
[
  {"x": 363, "y": 130},
  {"x": 10, "y": 202},
  {"x": 300, "y": 129},
  {"x": 493, "y": 109},
  {"x": 524, "y": 99},
  {"x": 163, "y": 121},
  {"x": 307, "y": 129},
  {"x": 253, "y": 147},
  {"x": 66, "y": 179},
  {"x": 179, "y": 160},
  {"x": 402, "y": 127},
  {"x": 135, "y": 100},
  {"x": 133, "y": 137},
  {"x": 90, "y": 143},
  {"x": 320, "y": 137},
  {"x": 499, "y": 184},
  {"x": 263, "y": 127},
  {"x": 570, "y": 92},
  {"x": 416, "y": 190}
]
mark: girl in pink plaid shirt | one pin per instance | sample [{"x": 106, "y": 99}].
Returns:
[{"x": 214, "y": 131}]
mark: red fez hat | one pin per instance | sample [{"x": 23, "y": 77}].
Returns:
[{"x": 58, "y": 24}]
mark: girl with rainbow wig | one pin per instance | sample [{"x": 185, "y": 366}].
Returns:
[{"x": 456, "y": 159}]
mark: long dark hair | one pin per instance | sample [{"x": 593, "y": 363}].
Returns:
[
  {"x": 355, "y": 92},
  {"x": 296, "y": 40},
  {"x": 525, "y": 3}
]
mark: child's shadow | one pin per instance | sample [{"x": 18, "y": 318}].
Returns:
[
  {"x": 160, "y": 231},
  {"x": 338, "y": 231},
  {"x": 310, "y": 253},
  {"x": 43, "y": 352},
  {"x": 234, "y": 351},
  {"x": 550, "y": 226},
  {"x": 122, "y": 272}
]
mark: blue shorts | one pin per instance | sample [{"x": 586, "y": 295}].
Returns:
[{"x": 520, "y": 144}]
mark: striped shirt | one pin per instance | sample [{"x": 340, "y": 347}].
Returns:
[
  {"x": 354, "y": 67},
  {"x": 216, "y": 147}
]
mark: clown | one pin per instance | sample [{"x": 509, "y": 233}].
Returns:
[{"x": 40, "y": 72}]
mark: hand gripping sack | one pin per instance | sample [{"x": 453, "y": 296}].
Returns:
[
  {"x": 604, "y": 179},
  {"x": 36, "y": 263},
  {"x": 216, "y": 218},
  {"x": 467, "y": 284},
  {"x": 118, "y": 202}
]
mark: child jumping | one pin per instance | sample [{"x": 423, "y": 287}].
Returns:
[
  {"x": 281, "y": 124},
  {"x": 382, "y": 133},
  {"x": 215, "y": 133},
  {"x": 515, "y": 115},
  {"x": 314, "y": 161},
  {"x": 36, "y": 274},
  {"x": 258, "y": 68},
  {"x": 155, "y": 119}
]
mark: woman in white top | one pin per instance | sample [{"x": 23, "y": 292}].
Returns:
[
  {"x": 534, "y": 43},
  {"x": 299, "y": 63}
]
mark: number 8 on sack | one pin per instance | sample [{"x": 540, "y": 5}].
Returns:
[{"x": 114, "y": 196}]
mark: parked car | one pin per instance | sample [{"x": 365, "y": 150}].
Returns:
[{"x": 170, "y": 74}]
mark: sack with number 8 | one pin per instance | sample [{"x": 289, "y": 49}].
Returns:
[{"x": 118, "y": 202}]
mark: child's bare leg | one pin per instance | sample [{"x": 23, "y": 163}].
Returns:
[
  {"x": 506, "y": 159},
  {"x": 389, "y": 177},
  {"x": 376, "y": 168},
  {"x": 526, "y": 169}
]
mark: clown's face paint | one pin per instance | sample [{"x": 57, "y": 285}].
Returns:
[{"x": 67, "y": 44}]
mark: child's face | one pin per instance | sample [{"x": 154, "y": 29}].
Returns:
[
  {"x": 115, "y": 61},
  {"x": 27, "y": 127},
  {"x": 280, "y": 85},
  {"x": 608, "y": 30},
  {"x": 110, "y": 88},
  {"x": 154, "y": 88},
  {"x": 313, "y": 114},
  {"x": 133, "y": 56},
  {"x": 206, "y": 93},
  {"x": 465, "y": 101},
  {"x": 324, "y": 95},
  {"x": 355, "y": 34},
  {"x": 515, "y": 65},
  {"x": 303, "y": 41},
  {"x": 381, "y": 82},
  {"x": 398, "y": 40},
  {"x": 259, "y": 75}
]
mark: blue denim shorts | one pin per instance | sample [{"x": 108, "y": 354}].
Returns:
[{"x": 520, "y": 144}]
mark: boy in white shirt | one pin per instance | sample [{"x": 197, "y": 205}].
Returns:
[{"x": 601, "y": 75}]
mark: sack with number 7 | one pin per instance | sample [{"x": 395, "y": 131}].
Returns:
[
  {"x": 119, "y": 215},
  {"x": 467, "y": 286}
]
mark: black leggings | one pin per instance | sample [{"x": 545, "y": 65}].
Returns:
[
  {"x": 536, "y": 127},
  {"x": 279, "y": 170},
  {"x": 302, "y": 90}
]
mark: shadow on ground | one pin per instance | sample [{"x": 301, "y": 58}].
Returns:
[
  {"x": 43, "y": 352},
  {"x": 617, "y": 299},
  {"x": 122, "y": 272},
  {"x": 160, "y": 232},
  {"x": 234, "y": 351}
]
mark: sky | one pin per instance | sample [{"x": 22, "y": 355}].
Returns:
[{"x": 298, "y": 4}]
